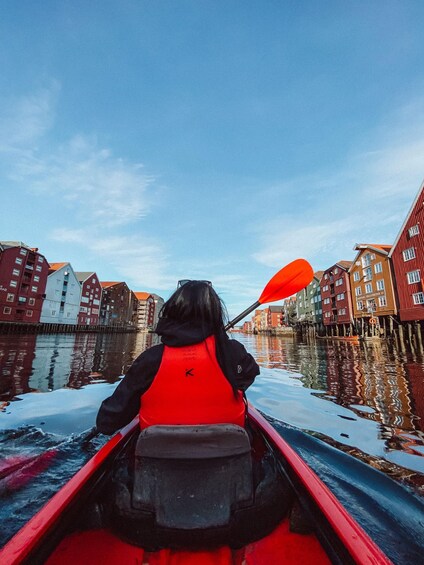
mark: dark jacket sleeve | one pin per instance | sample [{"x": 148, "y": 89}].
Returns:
[
  {"x": 246, "y": 369},
  {"x": 124, "y": 404}
]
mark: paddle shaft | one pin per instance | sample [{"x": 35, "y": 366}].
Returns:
[{"x": 242, "y": 315}]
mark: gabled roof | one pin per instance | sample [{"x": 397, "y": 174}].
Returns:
[
  {"x": 7, "y": 244},
  {"x": 318, "y": 275},
  {"x": 107, "y": 284},
  {"x": 56, "y": 266},
  {"x": 379, "y": 247},
  {"x": 275, "y": 308},
  {"x": 142, "y": 295},
  {"x": 344, "y": 264},
  {"x": 84, "y": 275},
  {"x": 418, "y": 196}
]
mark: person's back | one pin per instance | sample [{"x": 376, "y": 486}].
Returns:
[{"x": 195, "y": 376}]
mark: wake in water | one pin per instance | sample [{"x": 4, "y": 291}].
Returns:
[
  {"x": 34, "y": 465},
  {"x": 391, "y": 513}
]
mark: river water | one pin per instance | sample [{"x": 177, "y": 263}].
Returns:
[{"x": 346, "y": 407}]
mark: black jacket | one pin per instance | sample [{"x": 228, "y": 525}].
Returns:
[{"x": 237, "y": 364}]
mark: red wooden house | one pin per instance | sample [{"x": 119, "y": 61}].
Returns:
[
  {"x": 23, "y": 278},
  {"x": 91, "y": 296},
  {"x": 407, "y": 255},
  {"x": 336, "y": 296}
]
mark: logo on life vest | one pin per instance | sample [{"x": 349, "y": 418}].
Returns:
[{"x": 189, "y": 373}]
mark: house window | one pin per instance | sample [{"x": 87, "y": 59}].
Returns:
[
  {"x": 53, "y": 312},
  {"x": 38, "y": 268},
  {"x": 23, "y": 251},
  {"x": 366, "y": 260},
  {"x": 10, "y": 297},
  {"x": 418, "y": 298},
  {"x": 368, "y": 274},
  {"x": 380, "y": 284},
  {"x": 39, "y": 259},
  {"x": 339, "y": 282},
  {"x": 358, "y": 291},
  {"x": 326, "y": 301},
  {"x": 327, "y": 314},
  {"x": 356, "y": 276},
  {"x": 360, "y": 305},
  {"x": 36, "y": 278},
  {"x": 340, "y": 296},
  {"x": 368, "y": 288},
  {"x": 413, "y": 230},
  {"x": 7, "y": 310},
  {"x": 14, "y": 284},
  {"x": 18, "y": 261},
  {"x": 371, "y": 305},
  {"x": 382, "y": 301},
  {"x": 93, "y": 281},
  {"x": 16, "y": 272},
  {"x": 34, "y": 288},
  {"x": 378, "y": 268},
  {"x": 29, "y": 313},
  {"x": 31, "y": 301},
  {"x": 413, "y": 276},
  {"x": 409, "y": 254}
]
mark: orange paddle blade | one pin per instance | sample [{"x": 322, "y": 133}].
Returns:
[{"x": 289, "y": 280}]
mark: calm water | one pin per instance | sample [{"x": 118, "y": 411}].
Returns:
[{"x": 365, "y": 401}]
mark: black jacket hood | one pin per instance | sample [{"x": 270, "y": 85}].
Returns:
[{"x": 179, "y": 334}]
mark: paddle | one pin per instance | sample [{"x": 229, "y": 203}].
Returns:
[{"x": 289, "y": 280}]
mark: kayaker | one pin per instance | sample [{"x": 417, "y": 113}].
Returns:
[{"x": 197, "y": 375}]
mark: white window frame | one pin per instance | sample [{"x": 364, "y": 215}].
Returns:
[
  {"x": 413, "y": 276},
  {"x": 356, "y": 276},
  {"x": 378, "y": 268},
  {"x": 7, "y": 310},
  {"x": 418, "y": 298},
  {"x": 13, "y": 284},
  {"x": 408, "y": 254},
  {"x": 18, "y": 260},
  {"x": 360, "y": 305},
  {"x": 358, "y": 291},
  {"x": 380, "y": 284},
  {"x": 367, "y": 274},
  {"x": 10, "y": 297},
  {"x": 414, "y": 230},
  {"x": 382, "y": 300},
  {"x": 368, "y": 288}
]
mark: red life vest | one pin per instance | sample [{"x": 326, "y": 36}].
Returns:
[{"x": 190, "y": 388}]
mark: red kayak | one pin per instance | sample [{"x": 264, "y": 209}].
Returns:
[{"x": 194, "y": 495}]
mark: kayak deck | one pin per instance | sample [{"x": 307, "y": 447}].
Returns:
[{"x": 102, "y": 547}]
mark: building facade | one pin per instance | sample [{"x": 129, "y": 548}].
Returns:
[
  {"x": 91, "y": 296},
  {"x": 159, "y": 302},
  {"x": 63, "y": 295},
  {"x": 118, "y": 305},
  {"x": 337, "y": 311},
  {"x": 309, "y": 302},
  {"x": 145, "y": 311},
  {"x": 371, "y": 283},
  {"x": 23, "y": 279},
  {"x": 407, "y": 256}
]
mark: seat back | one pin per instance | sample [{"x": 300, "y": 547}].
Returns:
[{"x": 192, "y": 477}]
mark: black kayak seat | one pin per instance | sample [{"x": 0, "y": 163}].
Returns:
[{"x": 193, "y": 477}]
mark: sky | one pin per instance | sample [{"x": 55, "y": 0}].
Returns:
[{"x": 156, "y": 140}]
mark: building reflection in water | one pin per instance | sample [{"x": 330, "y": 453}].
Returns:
[
  {"x": 374, "y": 380},
  {"x": 42, "y": 363}
]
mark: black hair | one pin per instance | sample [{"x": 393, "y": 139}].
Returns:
[{"x": 196, "y": 301}]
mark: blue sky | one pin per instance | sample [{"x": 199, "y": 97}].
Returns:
[{"x": 157, "y": 140}]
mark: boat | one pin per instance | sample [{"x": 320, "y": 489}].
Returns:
[
  {"x": 187, "y": 509},
  {"x": 348, "y": 338}
]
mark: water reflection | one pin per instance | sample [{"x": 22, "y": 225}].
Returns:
[
  {"x": 373, "y": 380},
  {"x": 43, "y": 363}
]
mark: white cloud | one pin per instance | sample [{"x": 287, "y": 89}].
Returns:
[
  {"x": 366, "y": 200},
  {"x": 24, "y": 120}
]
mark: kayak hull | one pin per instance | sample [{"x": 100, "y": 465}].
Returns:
[{"x": 331, "y": 534}]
